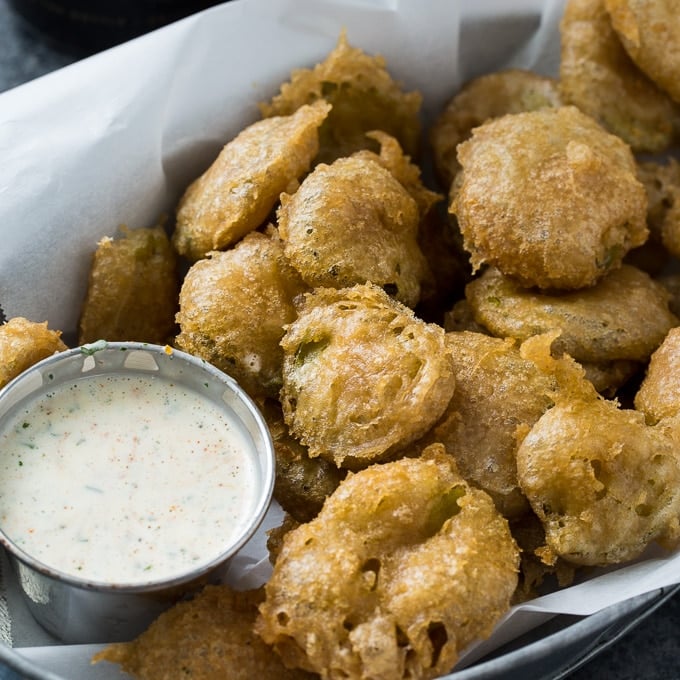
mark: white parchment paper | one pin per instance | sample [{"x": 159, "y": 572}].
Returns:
[{"x": 116, "y": 139}]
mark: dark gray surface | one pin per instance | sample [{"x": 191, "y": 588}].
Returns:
[{"x": 651, "y": 651}]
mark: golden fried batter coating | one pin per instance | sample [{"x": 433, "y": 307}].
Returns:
[
  {"x": 207, "y": 638},
  {"x": 598, "y": 76},
  {"x": 233, "y": 306},
  {"x": 662, "y": 183},
  {"x": 650, "y": 32},
  {"x": 624, "y": 316},
  {"x": 604, "y": 483},
  {"x": 659, "y": 394},
  {"x": 132, "y": 289},
  {"x": 392, "y": 158},
  {"x": 362, "y": 376},
  {"x": 302, "y": 483},
  {"x": 498, "y": 397},
  {"x": 352, "y": 222},
  {"x": 489, "y": 96},
  {"x": 235, "y": 195},
  {"x": 363, "y": 95},
  {"x": 24, "y": 343},
  {"x": 403, "y": 568},
  {"x": 549, "y": 198}
]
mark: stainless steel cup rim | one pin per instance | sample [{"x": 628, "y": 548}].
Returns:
[{"x": 94, "y": 356}]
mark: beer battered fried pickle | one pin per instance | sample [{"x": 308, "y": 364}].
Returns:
[
  {"x": 236, "y": 194},
  {"x": 232, "y": 309},
  {"x": 363, "y": 96},
  {"x": 489, "y": 96},
  {"x": 625, "y": 316},
  {"x": 549, "y": 198},
  {"x": 650, "y": 32},
  {"x": 498, "y": 397},
  {"x": 659, "y": 393},
  {"x": 404, "y": 566},
  {"x": 362, "y": 376},
  {"x": 24, "y": 343},
  {"x": 352, "y": 222},
  {"x": 207, "y": 638},
  {"x": 598, "y": 76},
  {"x": 132, "y": 289},
  {"x": 603, "y": 482}
]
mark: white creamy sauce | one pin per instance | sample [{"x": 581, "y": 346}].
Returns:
[{"x": 124, "y": 479}]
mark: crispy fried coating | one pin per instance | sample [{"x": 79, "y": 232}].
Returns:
[
  {"x": 662, "y": 183},
  {"x": 624, "y": 316},
  {"x": 598, "y": 76},
  {"x": 604, "y": 483},
  {"x": 549, "y": 198},
  {"x": 132, "y": 289},
  {"x": 498, "y": 397},
  {"x": 403, "y": 568},
  {"x": 363, "y": 95},
  {"x": 236, "y": 194},
  {"x": 232, "y": 309},
  {"x": 362, "y": 376},
  {"x": 207, "y": 638},
  {"x": 302, "y": 484},
  {"x": 659, "y": 393},
  {"x": 608, "y": 377},
  {"x": 447, "y": 264},
  {"x": 650, "y": 32},
  {"x": 489, "y": 96},
  {"x": 24, "y": 343},
  {"x": 352, "y": 222},
  {"x": 407, "y": 173}
]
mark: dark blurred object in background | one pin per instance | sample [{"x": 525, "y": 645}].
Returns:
[{"x": 82, "y": 27}]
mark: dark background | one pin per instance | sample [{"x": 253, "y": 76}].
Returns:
[{"x": 651, "y": 651}]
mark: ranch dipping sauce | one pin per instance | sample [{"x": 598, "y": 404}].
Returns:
[{"x": 124, "y": 478}]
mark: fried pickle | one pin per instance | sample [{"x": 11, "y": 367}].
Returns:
[
  {"x": 232, "y": 309},
  {"x": 236, "y": 194},
  {"x": 447, "y": 267},
  {"x": 209, "y": 637},
  {"x": 489, "y": 96},
  {"x": 650, "y": 32},
  {"x": 403, "y": 568},
  {"x": 498, "y": 397},
  {"x": 549, "y": 198},
  {"x": 625, "y": 316},
  {"x": 132, "y": 289},
  {"x": 604, "y": 483},
  {"x": 24, "y": 343},
  {"x": 407, "y": 173},
  {"x": 362, "y": 376},
  {"x": 353, "y": 222},
  {"x": 363, "y": 96},
  {"x": 598, "y": 76}
]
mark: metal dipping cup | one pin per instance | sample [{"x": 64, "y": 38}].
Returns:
[{"x": 80, "y": 611}]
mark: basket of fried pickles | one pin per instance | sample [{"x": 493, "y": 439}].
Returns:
[{"x": 464, "y": 340}]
